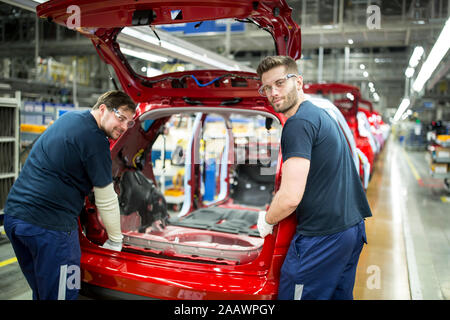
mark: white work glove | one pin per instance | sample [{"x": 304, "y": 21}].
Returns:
[
  {"x": 112, "y": 245},
  {"x": 108, "y": 209},
  {"x": 264, "y": 228}
]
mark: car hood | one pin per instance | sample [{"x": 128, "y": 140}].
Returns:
[{"x": 102, "y": 21}]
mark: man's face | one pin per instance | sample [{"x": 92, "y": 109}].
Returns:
[
  {"x": 282, "y": 97},
  {"x": 115, "y": 123}
]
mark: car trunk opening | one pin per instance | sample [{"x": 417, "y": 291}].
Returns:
[{"x": 191, "y": 184}]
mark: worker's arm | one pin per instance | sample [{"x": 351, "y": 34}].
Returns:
[
  {"x": 108, "y": 208},
  {"x": 286, "y": 200}
]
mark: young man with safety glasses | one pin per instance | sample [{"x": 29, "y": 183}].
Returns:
[
  {"x": 68, "y": 160},
  {"x": 321, "y": 185}
]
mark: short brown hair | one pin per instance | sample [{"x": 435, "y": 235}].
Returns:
[
  {"x": 271, "y": 62},
  {"x": 115, "y": 99}
]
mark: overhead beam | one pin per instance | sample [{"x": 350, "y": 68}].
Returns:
[{"x": 24, "y": 4}]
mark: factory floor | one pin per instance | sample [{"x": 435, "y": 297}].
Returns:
[{"x": 408, "y": 251}]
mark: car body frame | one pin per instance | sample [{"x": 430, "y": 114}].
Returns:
[{"x": 208, "y": 249}]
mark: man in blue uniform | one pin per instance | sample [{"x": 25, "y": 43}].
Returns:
[
  {"x": 321, "y": 185},
  {"x": 71, "y": 158}
]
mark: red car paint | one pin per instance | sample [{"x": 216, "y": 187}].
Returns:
[
  {"x": 374, "y": 120},
  {"x": 150, "y": 274},
  {"x": 168, "y": 274}
]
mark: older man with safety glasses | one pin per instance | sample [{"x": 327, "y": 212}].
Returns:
[
  {"x": 69, "y": 159},
  {"x": 321, "y": 185}
]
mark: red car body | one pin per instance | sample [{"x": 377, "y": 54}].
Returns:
[
  {"x": 160, "y": 265},
  {"x": 374, "y": 119}
]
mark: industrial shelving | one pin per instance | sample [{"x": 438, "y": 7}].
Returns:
[{"x": 9, "y": 145}]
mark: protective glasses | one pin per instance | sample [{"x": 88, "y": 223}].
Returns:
[
  {"x": 279, "y": 84},
  {"x": 122, "y": 118}
]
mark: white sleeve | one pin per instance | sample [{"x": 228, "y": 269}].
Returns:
[{"x": 108, "y": 208}]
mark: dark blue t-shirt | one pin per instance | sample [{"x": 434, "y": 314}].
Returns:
[
  {"x": 69, "y": 158},
  {"x": 334, "y": 198}
]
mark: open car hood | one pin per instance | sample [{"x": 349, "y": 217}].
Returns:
[{"x": 102, "y": 21}]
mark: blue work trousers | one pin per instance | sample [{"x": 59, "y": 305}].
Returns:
[
  {"x": 322, "y": 267},
  {"x": 50, "y": 260}
]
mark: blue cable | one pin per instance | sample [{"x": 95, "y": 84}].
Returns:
[{"x": 206, "y": 84}]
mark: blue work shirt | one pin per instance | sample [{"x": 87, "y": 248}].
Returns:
[
  {"x": 334, "y": 198},
  {"x": 67, "y": 160}
]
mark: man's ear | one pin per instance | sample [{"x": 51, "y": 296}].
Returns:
[
  {"x": 102, "y": 108},
  {"x": 300, "y": 82}
]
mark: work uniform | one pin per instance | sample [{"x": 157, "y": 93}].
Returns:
[
  {"x": 323, "y": 255},
  {"x": 42, "y": 208}
]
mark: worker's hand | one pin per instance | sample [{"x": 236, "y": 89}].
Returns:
[
  {"x": 264, "y": 228},
  {"x": 112, "y": 245}
]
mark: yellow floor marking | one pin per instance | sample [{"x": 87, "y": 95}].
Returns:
[
  {"x": 411, "y": 166},
  {"x": 8, "y": 261}
]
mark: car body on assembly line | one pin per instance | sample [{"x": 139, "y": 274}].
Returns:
[
  {"x": 203, "y": 158},
  {"x": 356, "y": 120}
]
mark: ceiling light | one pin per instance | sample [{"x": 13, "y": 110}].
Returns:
[
  {"x": 362, "y": 67},
  {"x": 415, "y": 57},
  {"x": 350, "y": 41},
  {"x": 371, "y": 84},
  {"x": 409, "y": 72},
  {"x": 365, "y": 74},
  {"x": 439, "y": 50},
  {"x": 182, "y": 52},
  {"x": 144, "y": 55},
  {"x": 401, "y": 108}
]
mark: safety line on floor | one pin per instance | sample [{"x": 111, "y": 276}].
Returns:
[
  {"x": 413, "y": 273},
  {"x": 411, "y": 262},
  {"x": 8, "y": 261},
  {"x": 413, "y": 169}
]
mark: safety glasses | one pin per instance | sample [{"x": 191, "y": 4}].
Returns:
[
  {"x": 122, "y": 118},
  {"x": 266, "y": 90}
]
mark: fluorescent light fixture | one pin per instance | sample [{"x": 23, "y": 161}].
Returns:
[
  {"x": 139, "y": 35},
  {"x": 176, "y": 48},
  {"x": 401, "y": 108},
  {"x": 438, "y": 51},
  {"x": 144, "y": 55},
  {"x": 409, "y": 72},
  {"x": 415, "y": 57}
]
